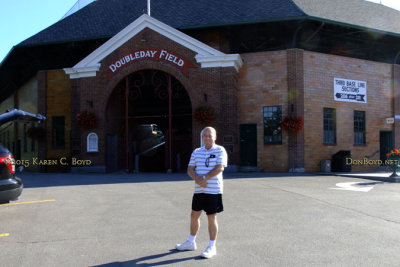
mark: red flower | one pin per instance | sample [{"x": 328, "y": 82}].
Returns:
[
  {"x": 204, "y": 114},
  {"x": 86, "y": 119},
  {"x": 293, "y": 124},
  {"x": 393, "y": 153}
]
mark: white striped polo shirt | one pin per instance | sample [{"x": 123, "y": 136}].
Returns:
[{"x": 205, "y": 160}]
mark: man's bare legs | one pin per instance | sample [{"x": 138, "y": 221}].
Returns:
[
  {"x": 195, "y": 222},
  {"x": 212, "y": 226}
]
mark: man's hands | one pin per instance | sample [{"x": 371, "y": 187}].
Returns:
[
  {"x": 200, "y": 181},
  {"x": 191, "y": 171}
]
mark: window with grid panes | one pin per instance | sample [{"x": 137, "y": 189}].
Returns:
[
  {"x": 329, "y": 126},
  {"x": 272, "y": 125},
  {"x": 359, "y": 127}
]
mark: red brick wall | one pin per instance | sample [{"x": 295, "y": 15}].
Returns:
[
  {"x": 295, "y": 102},
  {"x": 396, "y": 90},
  {"x": 220, "y": 85},
  {"x": 263, "y": 82},
  {"x": 301, "y": 78},
  {"x": 58, "y": 95},
  {"x": 305, "y": 79},
  {"x": 319, "y": 72}
]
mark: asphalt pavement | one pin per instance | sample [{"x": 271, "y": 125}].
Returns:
[{"x": 281, "y": 219}]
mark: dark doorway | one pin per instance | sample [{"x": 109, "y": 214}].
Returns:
[
  {"x": 112, "y": 152},
  {"x": 386, "y": 143},
  {"x": 152, "y": 98},
  {"x": 248, "y": 144}
]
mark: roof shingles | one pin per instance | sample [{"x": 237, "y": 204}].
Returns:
[{"x": 105, "y": 18}]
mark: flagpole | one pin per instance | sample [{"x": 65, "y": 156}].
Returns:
[{"x": 148, "y": 7}]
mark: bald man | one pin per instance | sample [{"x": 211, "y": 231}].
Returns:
[{"x": 205, "y": 167}]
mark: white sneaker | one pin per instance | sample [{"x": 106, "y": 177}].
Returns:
[
  {"x": 186, "y": 246},
  {"x": 209, "y": 252}
]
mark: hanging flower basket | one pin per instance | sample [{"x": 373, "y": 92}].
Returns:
[
  {"x": 86, "y": 119},
  {"x": 36, "y": 133},
  {"x": 204, "y": 114},
  {"x": 293, "y": 124},
  {"x": 392, "y": 161}
]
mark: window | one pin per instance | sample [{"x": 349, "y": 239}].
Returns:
[
  {"x": 329, "y": 126},
  {"x": 272, "y": 125},
  {"x": 58, "y": 132},
  {"x": 33, "y": 146},
  {"x": 359, "y": 127},
  {"x": 25, "y": 140},
  {"x": 92, "y": 143}
]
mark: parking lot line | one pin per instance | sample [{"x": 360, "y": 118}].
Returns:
[
  {"x": 5, "y": 234},
  {"x": 28, "y": 202}
]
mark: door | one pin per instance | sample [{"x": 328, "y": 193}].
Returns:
[
  {"x": 248, "y": 144},
  {"x": 386, "y": 143},
  {"x": 112, "y": 153}
]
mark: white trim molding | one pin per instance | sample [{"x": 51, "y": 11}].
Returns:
[
  {"x": 207, "y": 56},
  {"x": 81, "y": 72},
  {"x": 230, "y": 60}
]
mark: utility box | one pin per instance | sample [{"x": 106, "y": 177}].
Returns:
[{"x": 326, "y": 165}]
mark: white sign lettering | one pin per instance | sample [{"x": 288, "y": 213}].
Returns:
[
  {"x": 149, "y": 54},
  {"x": 350, "y": 90},
  {"x": 131, "y": 57}
]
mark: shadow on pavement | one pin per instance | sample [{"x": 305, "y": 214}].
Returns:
[{"x": 140, "y": 261}]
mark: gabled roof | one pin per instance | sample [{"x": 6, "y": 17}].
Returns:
[
  {"x": 205, "y": 55},
  {"x": 105, "y": 18},
  {"x": 359, "y": 13}
]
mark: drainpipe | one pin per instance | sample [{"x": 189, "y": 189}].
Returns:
[
  {"x": 309, "y": 38},
  {"x": 296, "y": 33},
  {"x": 314, "y": 33},
  {"x": 396, "y": 142}
]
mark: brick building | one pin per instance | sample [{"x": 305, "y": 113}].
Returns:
[{"x": 330, "y": 64}]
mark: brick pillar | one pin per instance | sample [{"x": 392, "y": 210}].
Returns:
[
  {"x": 75, "y": 108},
  {"x": 396, "y": 104},
  {"x": 228, "y": 132},
  {"x": 295, "y": 107}
]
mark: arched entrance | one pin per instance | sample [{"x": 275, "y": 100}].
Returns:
[{"x": 149, "y": 117}]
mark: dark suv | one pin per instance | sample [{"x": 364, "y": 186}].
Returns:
[{"x": 10, "y": 185}]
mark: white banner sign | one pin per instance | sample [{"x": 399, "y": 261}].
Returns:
[{"x": 350, "y": 90}]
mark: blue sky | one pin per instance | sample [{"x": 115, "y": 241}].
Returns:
[{"x": 20, "y": 19}]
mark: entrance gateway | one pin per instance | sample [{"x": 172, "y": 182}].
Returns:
[
  {"x": 154, "y": 113},
  {"x": 145, "y": 84}
]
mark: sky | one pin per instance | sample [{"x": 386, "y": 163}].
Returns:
[{"x": 21, "y": 19}]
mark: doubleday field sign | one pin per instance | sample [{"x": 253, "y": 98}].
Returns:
[{"x": 152, "y": 54}]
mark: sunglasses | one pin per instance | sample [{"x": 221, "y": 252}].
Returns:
[{"x": 208, "y": 160}]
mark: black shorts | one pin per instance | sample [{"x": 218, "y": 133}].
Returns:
[{"x": 210, "y": 203}]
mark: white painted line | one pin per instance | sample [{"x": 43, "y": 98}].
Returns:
[{"x": 350, "y": 186}]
